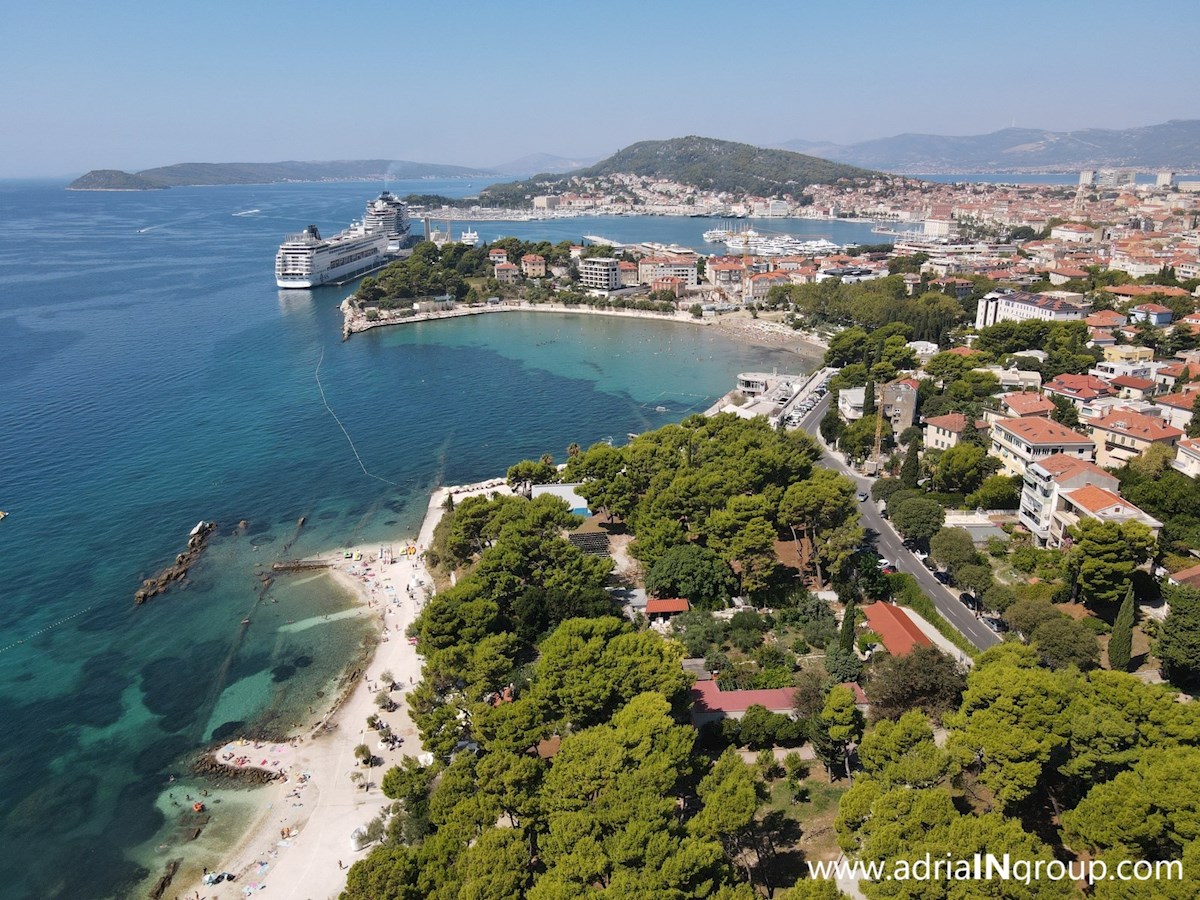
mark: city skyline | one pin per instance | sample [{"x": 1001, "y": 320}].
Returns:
[{"x": 274, "y": 82}]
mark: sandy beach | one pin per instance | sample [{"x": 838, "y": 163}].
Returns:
[{"x": 299, "y": 845}]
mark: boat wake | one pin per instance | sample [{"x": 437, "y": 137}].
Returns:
[{"x": 247, "y": 212}]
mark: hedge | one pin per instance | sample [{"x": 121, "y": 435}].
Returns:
[{"x": 907, "y": 592}]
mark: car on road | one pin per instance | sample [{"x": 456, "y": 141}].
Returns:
[
  {"x": 862, "y": 496},
  {"x": 942, "y": 577},
  {"x": 890, "y": 570},
  {"x": 885, "y": 563}
]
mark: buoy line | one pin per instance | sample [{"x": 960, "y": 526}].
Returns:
[
  {"x": 41, "y": 631},
  {"x": 349, "y": 440}
]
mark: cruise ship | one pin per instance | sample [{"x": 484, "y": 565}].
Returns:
[{"x": 307, "y": 260}]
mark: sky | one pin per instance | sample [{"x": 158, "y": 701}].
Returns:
[{"x": 131, "y": 86}]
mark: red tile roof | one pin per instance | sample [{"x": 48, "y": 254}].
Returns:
[
  {"x": 1153, "y": 308},
  {"x": 1097, "y": 499},
  {"x": 952, "y": 422},
  {"x": 1027, "y": 404},
  {"x": 1190, "y": 577},
  {"x": 667, "y": 605},
  {"x": 1106, "y": 318},
  {"x": 1036, "y": 430},
  {"x": 900, "y": 634},
  {"x": 1137, "y": 384},
  {"x": 708, "y": 697},
  {"x": 1144, "y": 290},
  {"x": 1086, "y": 387},
  {"x": 1136, "y": 425},
  {"x": 1177, "y": 401},
  {"x": 1061, "y": 467}
]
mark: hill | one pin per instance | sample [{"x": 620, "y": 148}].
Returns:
[
  {"x": 1171, "y": 145},
  {"x": 113, "y": 180},
  {"x": 182, "y": 174},
  {"x": 705, "y": 163}
]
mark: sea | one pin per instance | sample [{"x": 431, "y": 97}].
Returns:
[{"x": 152, "y": 376}]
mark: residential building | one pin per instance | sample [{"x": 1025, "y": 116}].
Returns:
[
  {"x": 899, "y": 400},
  {"x": 1169, "y": 376},
  {"x": 661, "y": 610},
  {"x": 1151, "y": 313},
  {"x": 1073, "y": 233},
  {"x": 1106, "y": 318},
  {"x": 1177, "y": 408},
  {"x": 682, "y": 267},
  {"x": 668, "y": 283},
  {"x": 944, "y": 432},
  {"x": 1079, "y": 389},
  {"x": 1108, "y": 370},
  {"x": 1187, "y": 457},
  {"x": 1014, "y": 378},
  {"x": 1043, "y": 481},
  {"x": 1019, "y": 306},
  {"x": 758, "y": 285},
  {"x": 1020, "y": 404},
  {"x": 1123, "y": 434},
  {"x": 1092, "y": 502},
  {"x": 850, "y": 403},
  {"x": 497, "y": 255},
  {"x": 1128, "y": 353},
  {"x": 629, "y": 273},
  {"x": 1019, "y": 442},
  {"x": 924, "y": 350},
  {"x": 899, "y": 633},
  {"x": 1130, "y": 388},
  {"x": 600, "y": 273},
  {"x": 533, "y": 265},
  {"x": 711, "y": 704},
  {"x": 506, "y": 272}
]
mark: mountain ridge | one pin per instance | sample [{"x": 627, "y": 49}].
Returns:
[{"x": 1174, "y": 144}]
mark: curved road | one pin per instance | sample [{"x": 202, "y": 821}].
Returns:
[{"x": 890, "y": 546}]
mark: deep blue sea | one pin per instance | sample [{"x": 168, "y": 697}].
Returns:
[{"x": 151, "y": 375}]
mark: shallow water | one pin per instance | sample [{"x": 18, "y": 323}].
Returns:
[{"x": 151, "y": 376}]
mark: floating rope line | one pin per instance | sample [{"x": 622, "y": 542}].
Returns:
[
  {"x": 349, "y": 440},
  {"x": 49, "y": 627}
]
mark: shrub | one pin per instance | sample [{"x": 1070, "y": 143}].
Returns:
[{"x": 1095, "y": 626}]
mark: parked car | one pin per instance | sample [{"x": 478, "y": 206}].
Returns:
[
  {"x": 995, "y": 623},
  {"x": 885, "y": 563},
  {"x": 942, "y": 577},
  {"x": 966, "y": 600},
  {"x": 890, "y": 570}
]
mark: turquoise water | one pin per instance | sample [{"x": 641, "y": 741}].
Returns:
[{"x": 151, "y": 376}]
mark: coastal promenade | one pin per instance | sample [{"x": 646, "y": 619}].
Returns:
[{"x": 300, "y": 844}]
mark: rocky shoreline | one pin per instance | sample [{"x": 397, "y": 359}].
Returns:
[{"x": 177, "y": 571}]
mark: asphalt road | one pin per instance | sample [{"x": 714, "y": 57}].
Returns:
[{"x": 890, "y": 546}]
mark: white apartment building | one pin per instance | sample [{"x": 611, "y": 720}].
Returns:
[
  {"x": 1019, "y": 306},
  {"x": 1018, "y": 443},
  {"x": 600, "y": 273},
  {"x": 652, "y": 268},
  {"x": 1187, "y": 457},
  {"x": 1044, "y": 480}
]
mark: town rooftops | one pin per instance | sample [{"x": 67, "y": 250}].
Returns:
[
  {"x": 707, "y": 697},
  {"x": 1039, "y": 431},
  {"x": 1135, "y": 425},
  {"x": 1085, "y": 387},
  {"x": 1144, "y": 290},
  {"x": 899, "y": 633},
  {"x": 1177, "y": 401}
]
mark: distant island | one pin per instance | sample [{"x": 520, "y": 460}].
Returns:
[
  {"x": 113, "y": 180},
  {"x": 192, "y": 174},
  {"x": 704, "y": 163}
]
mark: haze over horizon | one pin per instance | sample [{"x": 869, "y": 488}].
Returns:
[{"x": 304, "y": 81}]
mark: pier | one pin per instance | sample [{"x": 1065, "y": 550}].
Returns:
[{"x": 300, "y": 565}]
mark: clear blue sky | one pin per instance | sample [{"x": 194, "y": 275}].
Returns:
[{"x": 129, "y": 86}]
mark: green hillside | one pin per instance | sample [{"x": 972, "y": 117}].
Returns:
[
  {"x": 705, "y": 163},
  {"x": 113, "y": 180}
]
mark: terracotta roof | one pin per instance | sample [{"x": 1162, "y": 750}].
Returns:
[
  {"x": 708, "y": 697},
  {"x": 1135, "y": 425},
  {"x": 1097, "y": 499},
  {"x": 667, "y": 605},
  {"x": 952, "y": 422},
  {"x": 1087, "y": 387},
  {"x": 899, "y": 633},
  {"x": 962, "y": 351},
  {"x": 860, "y": 696},
  {"x": 1190, "y": 577},
  {"x": 1138, "y": 384},
  {"x": 1061, "y": 467},
  {"x": 1106, "y": 318},
  {"x": 1144, "y": 290},
  {"x": 1027, "y": 404},
  {"x": 1036, "y": 430},
  {"x": 1190, "y": 444},
  {"x": 1154, "y": 308}
]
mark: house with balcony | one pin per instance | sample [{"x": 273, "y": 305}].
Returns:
[
  {"x": 1044, "y": 480},
  {"x": 1079, "y": 389},
  {"x": 1176, "y": 409},
  {"x": 1122, "y": 434},
  {"x": 1018, "y": 443},
  {"x": 506, "y": 272},
  {"x": 1151, "y": 314},
  {"x": 1092, "y": 502},
  {"x": 1021, "y": 404},
  {"x": 533, "y": 265},
  {"x": 1187, "y": 457},
  {"x": 944, "y": 432}
]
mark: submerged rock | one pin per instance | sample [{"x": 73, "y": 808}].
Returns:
[{"x": 178, "y": 570}]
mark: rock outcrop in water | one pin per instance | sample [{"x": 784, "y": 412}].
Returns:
[{"x": 178, "y": 570}]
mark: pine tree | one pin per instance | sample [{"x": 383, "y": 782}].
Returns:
[
  {"x": 1120, "y": 645},
  {"x": 1193, "y": 429}
]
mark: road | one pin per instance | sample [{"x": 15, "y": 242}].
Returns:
[{"x": 891, "y": 547}]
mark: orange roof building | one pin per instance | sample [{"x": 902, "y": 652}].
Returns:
[{"x": 899, "y": 633}]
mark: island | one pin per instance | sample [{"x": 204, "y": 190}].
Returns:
[{"x": 113, "y": 180}]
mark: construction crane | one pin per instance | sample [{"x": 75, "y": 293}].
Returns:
[{"x": 877, "y": 451}]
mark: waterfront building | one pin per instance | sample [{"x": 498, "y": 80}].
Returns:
[
  {"x": 506, "y": 272},
  {"x": 681, "y": 267},
  {"x": 600, "y": 273},
  {"x": 533, "y": 265}
]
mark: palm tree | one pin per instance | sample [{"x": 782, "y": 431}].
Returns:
[{"x": 573, "y": 450}]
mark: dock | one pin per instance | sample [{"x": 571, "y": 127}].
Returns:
[{"x": 299, "y": 565}]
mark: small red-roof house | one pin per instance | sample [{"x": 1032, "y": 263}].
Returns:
[
  {"x": 1188, "y": 577},
  {"x": 711, "y": 704},
  {"x": 662, "y": 609},
  {"x": 1017, "y": 405},
  {"x": 900, "y": 634}
]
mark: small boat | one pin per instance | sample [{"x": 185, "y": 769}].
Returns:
[
  {"x": 3, "y": 515},
  {"x": 245, "y": 621}
]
